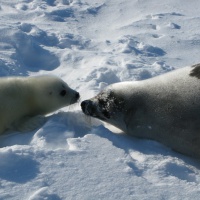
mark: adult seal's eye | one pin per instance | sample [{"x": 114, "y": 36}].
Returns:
[{"x": 63, "y": 93}]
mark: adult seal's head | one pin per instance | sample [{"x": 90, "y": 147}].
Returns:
[
  {"x": 104, "y": 106},
  {"x": 165, "y": 108}
]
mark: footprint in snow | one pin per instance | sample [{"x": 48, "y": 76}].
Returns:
[
  {"x": 173, "y": 26},
  {"x": 157, "y": 36},
  {"x": 180, "y": 171},
  {"x": 23, "y": 168}
]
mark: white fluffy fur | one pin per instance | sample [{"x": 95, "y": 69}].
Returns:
[{"x": 22, "y": 98}]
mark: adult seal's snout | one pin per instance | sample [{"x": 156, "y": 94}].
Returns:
[
  {"x": 86, "y": 107},
  {"x": 83, "y": 105}
]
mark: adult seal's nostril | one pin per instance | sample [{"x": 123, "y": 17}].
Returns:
[
  {"x": 83, "y": 105},
  {"x": 86, "y": 106}
]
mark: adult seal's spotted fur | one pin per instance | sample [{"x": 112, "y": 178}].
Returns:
[
  {"x": 195, "y": 71},
  {"x": 165, "y": 108},
  {"x": 25, "y": 100}
]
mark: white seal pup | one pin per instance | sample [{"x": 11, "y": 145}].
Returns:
[
  {"x": 165, "y": 108},
  {"x": 23, "y": 99}
]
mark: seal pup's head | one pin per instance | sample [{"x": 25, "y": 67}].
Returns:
[{"x": 51, "y": 93}]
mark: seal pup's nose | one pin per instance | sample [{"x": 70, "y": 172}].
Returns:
[{"x": 77, "y": 95}]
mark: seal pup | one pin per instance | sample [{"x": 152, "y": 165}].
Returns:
[
  {"x": 165, "y": 108},
  {"x": 25, "y": 100}
]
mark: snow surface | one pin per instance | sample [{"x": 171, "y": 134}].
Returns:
[{"x": 91, "y": 44}]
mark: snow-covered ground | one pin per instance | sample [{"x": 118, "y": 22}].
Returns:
[{"x": 91, "y": 44}]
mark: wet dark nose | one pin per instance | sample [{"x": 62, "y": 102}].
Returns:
[
  {"x": 77, "y": 95},
  {"x": 84, "y": 105}
]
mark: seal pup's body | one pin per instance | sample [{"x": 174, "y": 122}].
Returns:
[{"x": 22, "y": 99}]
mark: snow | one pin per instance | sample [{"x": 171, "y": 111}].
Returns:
[{"x": 91, "y": 44}]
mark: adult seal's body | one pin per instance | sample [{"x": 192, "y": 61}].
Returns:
[
  {"x": 165, "y": 108},
  {"x": 24, "y": 99}
]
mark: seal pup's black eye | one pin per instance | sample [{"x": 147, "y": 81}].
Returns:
[{"x": 63, "y": 93}]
